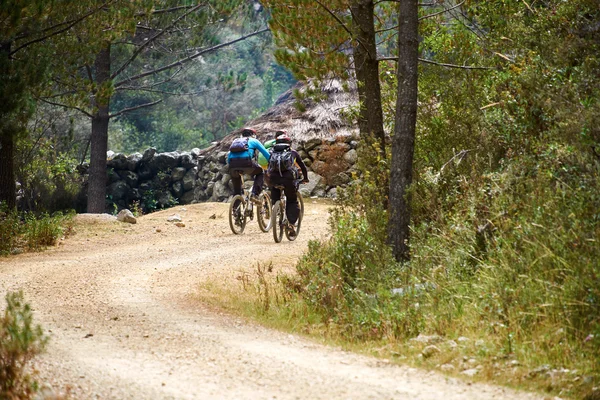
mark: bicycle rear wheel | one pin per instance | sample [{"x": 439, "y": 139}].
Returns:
[
  {"x": 277, "y": 221},
  {"x": 237, "y": 214},
  {"x": 299, "y": 222},
  {"x": 263, "y": 212}
]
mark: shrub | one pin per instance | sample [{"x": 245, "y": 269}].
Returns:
[
  {"x": 31, "y": 231},
  {"x": 9, "y": 229},
  {"x": 20, "y": 342}
]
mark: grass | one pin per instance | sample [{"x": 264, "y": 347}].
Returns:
[
  {"x": 21, "y": 232},
  {"x": 504, "y": 275},
  {"x": 560, "y": 370},
  {"x": 20, "y": 342}
]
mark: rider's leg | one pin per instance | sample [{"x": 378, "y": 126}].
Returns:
[
  {"x": 259, "y": 179},
  {"x": 292, "y": 208}
]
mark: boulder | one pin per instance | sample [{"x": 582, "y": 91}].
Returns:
[
  {"x": 130, "y": 178},
  {"x": 126, "y": 216},
  {"x": 148, "y": 154},
  {"x": 117, "y": 190},
  {"x": 133, "y": 161},
  {"x": 177, "y": 174}
]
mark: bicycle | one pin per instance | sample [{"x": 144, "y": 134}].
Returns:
[
  {"x": 241, "y": 208},
  {"x": 279, "y": 219}
]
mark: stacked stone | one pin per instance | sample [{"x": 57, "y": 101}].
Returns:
[{"x": 196, "y": 176}]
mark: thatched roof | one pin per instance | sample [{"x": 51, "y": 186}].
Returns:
[{"x": 324, "y": 119}]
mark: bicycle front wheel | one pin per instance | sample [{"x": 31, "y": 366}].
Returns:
[
  {"x": 237, "y": 214},
  {"x": 300, "y": 216},
  {"x": 263, "y": 212},
  {"x": 277, "y": 221}
]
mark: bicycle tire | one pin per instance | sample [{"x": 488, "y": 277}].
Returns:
[
  {"x": 263, "y": 212},
  {"x": 237, "y": 215},
  {"x": 277, "y": 219},
  {"x": 299, "y": 222}
]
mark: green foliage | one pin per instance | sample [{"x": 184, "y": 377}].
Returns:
[
  {"x": 20, "y": 342},
  {"x": 9, "y": 228},
  {"x": 47, "y": 174},
  {"x": 27, "y": 230},
  {"x": 505, "y": 200}
]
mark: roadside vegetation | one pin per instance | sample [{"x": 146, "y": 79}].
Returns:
[
  {"x": 26, "y": 231},
  {"x": 20, "y": 342},
  {"x": 503, "y": 281}
]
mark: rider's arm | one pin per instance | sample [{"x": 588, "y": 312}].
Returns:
[
  {"x": 301, "y": 165},
  {"x": 255, "y": 144}
]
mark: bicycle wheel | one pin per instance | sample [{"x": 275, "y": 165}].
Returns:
[
  {"x": 263, "y": 212},
  {"x": 299, "y": 222},
  {"x": 237, "y": 214},
  {"x": 277, "y": 221}
]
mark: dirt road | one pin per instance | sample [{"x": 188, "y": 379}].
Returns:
[{"x": 118, "y": 301}]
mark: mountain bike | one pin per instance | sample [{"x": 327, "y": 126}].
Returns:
[
  {"x": 241, "y": 208},
  {"x": 279, "y": 219}
]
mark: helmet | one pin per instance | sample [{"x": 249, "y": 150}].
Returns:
[
  {"x": 283, "y": 139},
  {"x": 279, "y": 133},
  {"x": 247, "y": 132}
]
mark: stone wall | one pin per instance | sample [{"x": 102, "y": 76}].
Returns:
[{"x": 159, "y": 180}]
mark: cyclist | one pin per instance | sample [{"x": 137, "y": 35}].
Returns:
[
  {"x": 286, "y": 176},
  {"x": 242, "y": 157}
]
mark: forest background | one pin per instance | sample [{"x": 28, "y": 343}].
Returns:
[{"x": 503, "y": 196}]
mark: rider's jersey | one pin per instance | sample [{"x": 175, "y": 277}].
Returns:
[{"x": 253, "y": 145}]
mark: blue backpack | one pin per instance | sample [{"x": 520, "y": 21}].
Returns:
[{"x": 239, "y": 145}]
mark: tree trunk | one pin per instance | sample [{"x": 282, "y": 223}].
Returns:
[
  {"x": 7, "y": 167},
  {"x": 370, "y": 120},
  {"x": 403, "y": 142},
  {"x": 7, "y": 170},
  {"x": 96, "y": 202}
]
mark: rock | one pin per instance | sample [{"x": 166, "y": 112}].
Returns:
[
  {"x": 133, "y": 161},
  {"x": 180, "y": 224},
  {"x": 430, "y": 351},
  {"x": 126, "y": 216},
  {"x": 190, "y": 178},
  {"x": 174, "y": 218},
  {"x": 188, "y": 197},
  {"x": 177, "y": 189},
  {"x": 177, "y": 174},
  {"x": 312, "y": 143},
  {"x": 447, "y": 367},
  {"x": 130, "y": 178},
  {"x": 117, "y": 190},
  {"x": 470, "y": 372},
  {"x": 148, "y": 154},
  {"x": 351, "y": 157},
  {"x": 315, "y": 182},
  {"x": 187, "y": 161},
  {"x": 427, "y": 339}
]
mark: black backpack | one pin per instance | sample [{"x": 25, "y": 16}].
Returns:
[
  {"x": 282, "y": 159},
  {"x": 239, "y": 145}
]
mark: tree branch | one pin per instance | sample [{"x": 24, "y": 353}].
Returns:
[
  {"x": 423, "y": 60},
  {"x": 163, "y": 11},
  {"x": 151, "y": 40},
  {"x": 339, "y": 21},
  {"x": 66, "y": 106},
  {"x": 189, "y": 58},
  {"x": 443, "y": 11},
  {"x": 126, "y": 110},
  {"x": 58, "y": 32}
]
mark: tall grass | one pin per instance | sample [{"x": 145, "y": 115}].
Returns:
[
  {"x": 20, "y": 342},
  {"x": 28, "y": 231},
  {"x": 508, "y": 262}
]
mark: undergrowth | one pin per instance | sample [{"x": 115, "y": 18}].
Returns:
[
  {"x": 28, "y": 231},
  {"x": 504, "y": 280},
  {"x": 20, "y": 342}
]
